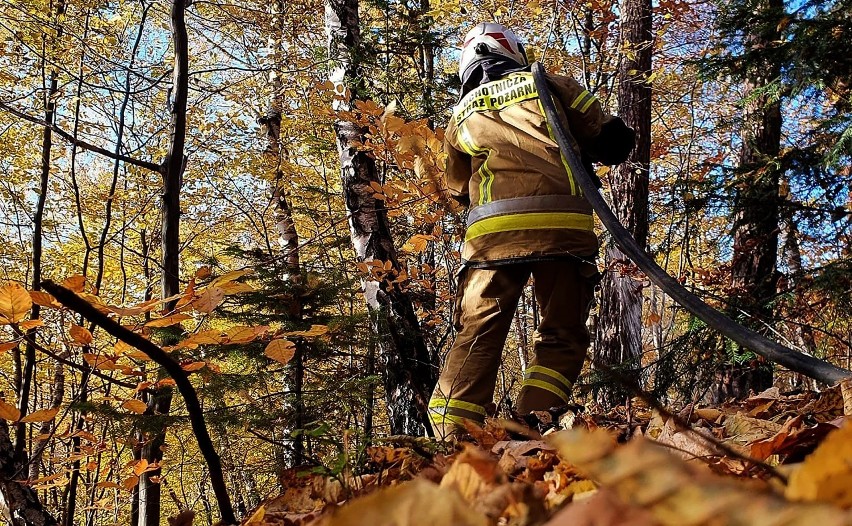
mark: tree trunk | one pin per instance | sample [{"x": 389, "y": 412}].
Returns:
[
  {"x": 754, "y": 277},
  {"x": 288, "y": 238},
  {"x": 172, "y": 172},
  {"x": 410, "y": 368},
  {"x": 619, "y": 325},
  {"x": 20, "y": 506}
]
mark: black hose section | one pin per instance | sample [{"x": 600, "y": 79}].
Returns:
[{"x": 794, "y": 360}]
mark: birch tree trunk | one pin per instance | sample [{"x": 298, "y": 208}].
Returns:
[
  {"x": 410, "y": 368},
  {"x": 285, "y": 226},
  {"x": 619, "y": 328}
]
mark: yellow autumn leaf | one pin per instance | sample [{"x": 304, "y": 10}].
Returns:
[
  {"x": 417, "y": 243},
  {"x": 280, "y": 350},
  {"x": 257, "y": 517},
  {"x": 9, "y": 412},
  {"x": 168, "y": 321},
  {"x": 97, "y": 361},
  {"x": 42, "y": 415},
  {"x": 74, "y": 283},
  {"x": 315, "y": 330},
  {"x": 135, "y": 406},
  {"x": 235, "y": 288},
  {"x": 80, "y": 335},
  {"x": 15, "y": 303},
  {"x": 408, "y": 504},
  {"x": 229, "y": 276},
  {"x": 826, "y": 474}
]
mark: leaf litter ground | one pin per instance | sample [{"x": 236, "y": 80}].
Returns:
[{"x": 772, "y": 459}]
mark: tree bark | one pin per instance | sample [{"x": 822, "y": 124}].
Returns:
[
  {"x": 754, "y": 275},
  {"x": 619, "y": 327},
  {"x": 20, "y": 506},
  {"x": 172, "y": 171},
  {"x": 285, "y": 225},
  {"x": 410, "y": 368}
]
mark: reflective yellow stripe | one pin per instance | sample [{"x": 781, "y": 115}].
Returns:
[
  {"x": 439, "y": 419},
  {"x": 487, "y": 182},
  {"x": 496, "y": 95},
  {"x": 529, "y": 221},
  {"x": 580, "y": 98},
  {"x": 549, "y": 372},
  {"x": 466, "y": 142},
  {"x": 461, "y": 404},
  {"x": 485, "y": 174},
  {"x": 561, "y": 156},
  {"x": 549, "y": 387},
  {"x": 587, "y": 104}
]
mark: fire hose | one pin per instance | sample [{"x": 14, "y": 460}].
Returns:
[{"x": 794, "y": 360}]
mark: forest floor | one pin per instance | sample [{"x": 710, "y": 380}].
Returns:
[{"x": 771, "y": 459}]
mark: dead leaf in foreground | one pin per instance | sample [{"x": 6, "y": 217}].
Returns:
[
  {"x": 414, "y": 503},
  {"x": 826, "y": 474},
  {"x": 646, "y": 476}
]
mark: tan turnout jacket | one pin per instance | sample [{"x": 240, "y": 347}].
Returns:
[{"x": 502, "y": 156}]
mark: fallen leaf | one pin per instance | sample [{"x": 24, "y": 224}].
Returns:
[
  {"x": 414, "y": 503},
  {"x": 826, "y": 474}
]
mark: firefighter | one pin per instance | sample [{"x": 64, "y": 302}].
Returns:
[{"x": 527, "y": 216}]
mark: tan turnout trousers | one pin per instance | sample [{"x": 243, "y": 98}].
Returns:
[{"x": 485, "y": 307}]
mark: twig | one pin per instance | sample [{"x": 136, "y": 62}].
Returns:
[{"x": 187, "y": 391}]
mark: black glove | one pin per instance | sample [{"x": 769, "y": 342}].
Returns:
[{"x": 613, "y": 144}]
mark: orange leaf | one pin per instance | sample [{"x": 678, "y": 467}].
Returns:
[
  {"x": 44, "y": 299},
  {"x": 42, "y": 415},
  {"x": 107, "y": 484},
  {"x": 203, "y": 272},
  {"x": 15, "y": 303},
  {"x": 80, "y": 335},
  {"x": 9, "y": 412},
  {"x": 168, "y": 321},
  {"x": 130, "y": 482},
  {"x": 210, "y": 298},
  {"x": 75, "y": 283},
  {"x": 100, "y": 362},
  {"x": 166, "y": 382},
  {"x": 193, "y": 366},
  {"x": 140, "y": 467},
  {"x": 280, "y": 350},
  {"x": 30, "y": 324},
  {"x": 5, "y": 346},
  {"x": 135, "y": 406}
]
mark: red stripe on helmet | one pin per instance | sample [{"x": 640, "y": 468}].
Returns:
[{"x": 501, "y": 38}]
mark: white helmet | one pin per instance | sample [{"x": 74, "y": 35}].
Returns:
[{"x": 489, "y": 38}]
